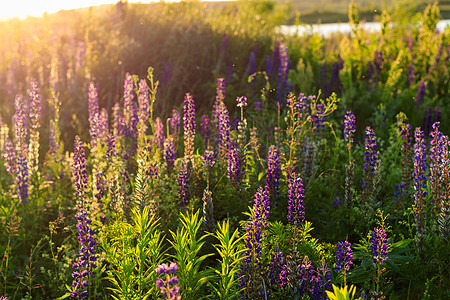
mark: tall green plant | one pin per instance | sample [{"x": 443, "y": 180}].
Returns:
[
  {"x": 134, "y": 252},
  {"x": 187, "y": 246}
]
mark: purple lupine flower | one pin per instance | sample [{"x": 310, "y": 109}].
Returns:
[
  {"x": 344, "y": 256},
  {"x": 420, "y": 186},
  {"x": 234, "y": 169},
  {"x": 119, "y": 121},
  {"x": 159, "y": 133},
  {"x": 35, "y": 105},
  {"x": 3, "y": 298},
  {"x": 282, "y": 73},
  {"x": 100, "y": 188},
  {"x": 275, "y": 66},
  {"x": 411, "y": 74},
  {"x": 320, "y": 281},
  {"x": 241, "y": 101},
  {"x": 220, "y": 96},
  {"x": 183, "y": 184},
  {"x": 370, "y": 161},
  {"x": 318, "y": 119},
  {"x": 111, "y": 147},
  {"x": 144, "y": 105},
  {"x": 93, "y": 113},
  {"x": 253, "y": 240},
  {"x": 379, "y": 246},
  {"x": 378, "y": 61},
  {"x": 103, "y": 124},
  {"x": 305, "y": 275},
  {"x": 168, "y": 286},
  {"x": 273, "y": 172},
  {"x": 22, "y": 178},
  {"x": 80, "y": 172},
  {"x": 337, "y": 201},
  {"x": 169, "y": 153},
  {"x": 258, "y": 106},
  {"x": 9, "y": 155},
  {"x": 296, "y": 208},
  {"x": 420, "y": 92},
  {"x": 20, "y": 121},
  {"x": 369, "y": 71},
  {"x": 189, "y": 125},
  {"x": 235, "y": 123},
  {"x": 175, "y": 123},
  {"x": 128, "y": 106},
  {"x": 205, "y": 130},
  {"x": 224, "y": 130},
  {"x": 437, "y": 156},
  {"x": 208, "y": 158},
  {"x": 153, "y": 170},
  {"x": 349, "y": 126},
  {"x": 304, "y": 104},
  {"x": 86, "y": 265},
  {"x": 278, "y": 270}
]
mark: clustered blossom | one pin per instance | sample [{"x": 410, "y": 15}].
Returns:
[
  {"x": 437, "y": 156},
  {"x": 253, "y": 240},
  {"x": 273, "y": 172},
  {"x": 79, "y": 171},
  {"x": 9, "y": 155},
  {"x": 120, "y": 128},
  {"x": 93, "y": 113},
  {"x": 175, "y": 122},
  {"x": 189, "y": 125},
  {"x": 183, "y": 181},
  {"x": 169, "y": 153},
  {"x": 168, "y": 285},
  {"x": 144, "y": 105},
  {"x": 313, "y": 282},
  {"x": 296, "y": 209},
  {"x": 103, "y": 124},
  {"x": 220, "y": 96},
  {"x": 241, "y": 101},
  {"x": 370, "y": 162},
  {"x": 35, "y": 107},
  {"x": 233, "y": 169},
  {"x": 379, "y": 246},
  {"x": 208, "y": 158},
  {"x": 86, "y": 265},
  {"x": 22, "y": 179},
  {"x": 344, "y": 256},
  {"x": 205, "y": 130},
  {"x": 258, "y": 106},
  {"x": 224, "y": 130},
  {"x": 34, "y": 114},
  {"x": 349, "y": 126},
  {"x": 20, "y": 122},
  {"x": 420, "y": 185},
  {"x": 420, "y": 92},
  {"x": 128, "y": 104},
  {"x": 318, "y": 118},
  {"x": 282, "y": 72},
  {"x": 159, "y": 133},
  {"x": 278, "y": 270},
  {"x": 320, "y": 281},
  {"x": 110, "y": 147}
]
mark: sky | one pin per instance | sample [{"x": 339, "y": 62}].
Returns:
[{"x": 24, "y": 8}]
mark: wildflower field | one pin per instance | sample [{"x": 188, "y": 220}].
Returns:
[{"x": 189, "y": 151}]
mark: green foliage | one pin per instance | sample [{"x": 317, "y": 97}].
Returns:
[
  {"x": 230, "y": 253},
  {"x": 134, "y": 252},
  {"x": 187, "y": 246}
]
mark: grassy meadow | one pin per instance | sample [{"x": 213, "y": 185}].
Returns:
[{"x": 190, "y": 151}]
